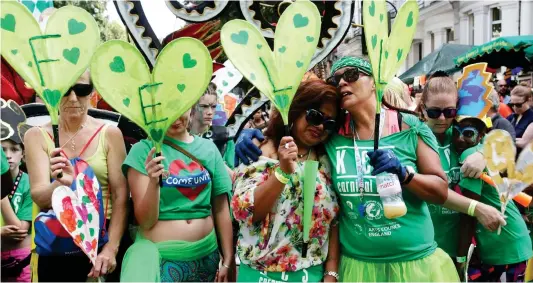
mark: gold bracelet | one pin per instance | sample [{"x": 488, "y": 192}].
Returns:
[
  {"x": 472, "y": 207},
  {"x": 223, "y": 265}
]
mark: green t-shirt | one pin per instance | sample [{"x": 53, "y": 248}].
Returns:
[
  {"x": 21, "y": 201},
  {"x": 513, "y": 245},
  {"x": 446, "y": 221},
  {"x": 5, "y": 164},
  {"x": 373, "y": 237},
  {"x": 188, "y": 191},
  {"x": 229, "y": 154}
]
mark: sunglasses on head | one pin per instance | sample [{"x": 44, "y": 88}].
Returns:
[
  {"x": 517, "y": 105},
  {"x": 350, "y": 75},
  {"x": 468, "y": 133},
  {"x": 434, "y": 112},
  {"x": 80, "y": 90},
  {"x": 316, "y": 118}
]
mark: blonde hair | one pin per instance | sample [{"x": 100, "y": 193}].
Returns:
[
  {"x": 394, "y": 92},
  {"x": 522, "y": 91}
]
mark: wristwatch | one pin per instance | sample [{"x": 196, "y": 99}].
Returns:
[
  {"x": 410, "y": 174},
  {"x": 332, "y": 273}
]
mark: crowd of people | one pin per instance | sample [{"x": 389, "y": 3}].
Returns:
[{"x": 213, "y": 208}]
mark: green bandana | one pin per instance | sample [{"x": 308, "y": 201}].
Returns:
[{"x": 359, "y": 63}]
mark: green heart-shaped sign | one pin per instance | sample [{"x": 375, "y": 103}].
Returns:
[
  {"x": 154, "y": 100},
  {"x": 399, "y": 42},
  {"x": 276, "y": 74},
  {"x": 52, "y": 61}
]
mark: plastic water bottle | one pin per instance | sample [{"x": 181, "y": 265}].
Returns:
[{"x": 390, "y": 192}]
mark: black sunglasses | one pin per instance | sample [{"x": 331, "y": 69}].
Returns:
[
  {"x": 350, "y": 75},
  {"x": 517, "y": 105},
  {"x": 316, "y": 118},
  {"x": 434, "y": 113},
  {"x": 80, "y": 90}
]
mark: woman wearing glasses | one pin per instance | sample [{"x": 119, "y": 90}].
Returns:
[
  {"x": 268, "y": 200},
  {"x": 102, "y": 147},
  {"x": 522, "y": 119}
]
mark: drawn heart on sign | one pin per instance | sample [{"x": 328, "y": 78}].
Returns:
[
  {"x": 380, "y": 44},
  {"x": 78, "y": 215},
  {"x": 68, "y": 42},
  {"x": 154, "y": 100},
  {"x": 192, "y": 169},
  {"x": 279, "y": 72}
]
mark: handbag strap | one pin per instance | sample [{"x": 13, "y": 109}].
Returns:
[{"x": 182, "y": 150}]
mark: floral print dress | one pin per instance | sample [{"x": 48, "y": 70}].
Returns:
[{"x": 275, "y": 244}]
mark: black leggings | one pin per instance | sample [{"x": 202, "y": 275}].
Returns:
[{"x": 63, "y": 268}]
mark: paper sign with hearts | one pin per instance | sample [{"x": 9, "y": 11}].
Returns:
[
  {"x": 52, "y": 61},
  {"x": 79, "y": 215},
  {"x": 499, "y": 151},
  {"x": 154, "y": 100},
  {"x": 387, "y": 53},
  {"x": 277, "y": 74}
]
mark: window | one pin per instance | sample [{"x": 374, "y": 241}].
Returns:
[
  {"x": 471, "y": 29},
  {"x": 432, "y": 42},
  {"x": 449, "y": 35},
  {"x": 496, "y": 22},
  {"x": 420, "y": 52}
]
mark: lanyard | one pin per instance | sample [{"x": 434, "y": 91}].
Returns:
[
  {"x": 15, "y": 185},
  {"x": 359, "y": 162}
]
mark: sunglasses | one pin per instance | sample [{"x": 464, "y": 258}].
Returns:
[
  {"x": 316, "y": 118},
  {"x": 434, "y": 113},
  {"x": 517, "y": 105},
  {"x": 468, "y": 133},
  {"x": 350, "y": 75},
  {"x": 80, "y": 90}
]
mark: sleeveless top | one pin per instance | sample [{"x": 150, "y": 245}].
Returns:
[{"x": 98, "y": 161}]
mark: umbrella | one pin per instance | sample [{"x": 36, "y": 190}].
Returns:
[
  {"x": 438, "y": 60},
  {"x": 508, "y": 51}
]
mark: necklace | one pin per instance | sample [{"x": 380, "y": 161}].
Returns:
[
  {"x": 305, "y": 154},
  {"x": 71, "y": 139}
]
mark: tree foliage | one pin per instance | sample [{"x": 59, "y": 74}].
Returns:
[{"x": 97, "y": 8}]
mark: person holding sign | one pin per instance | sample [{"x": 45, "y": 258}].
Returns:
[
  {"x": 178, "y": 221},
  {"x": 102, "y": 147},
  {"x": 268, "y": 196}
]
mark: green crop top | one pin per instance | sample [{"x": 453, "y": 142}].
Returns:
[{"x": 188, "y": 191}]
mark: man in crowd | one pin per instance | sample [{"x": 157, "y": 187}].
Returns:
[{"x": 499, "y": 122}]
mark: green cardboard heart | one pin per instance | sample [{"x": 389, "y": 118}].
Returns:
[
  {"x": 154, "y": 100},
  {"x": 29, "y": 4},
  {"x": 44, "y": 4},
  {"x": 399, "y": 42},
  {"x": 59, "y": 57},
  {"x": 14, "y": 51},
  {"x": 276, "y": 74},
  {"x": 117, "y": 65}
]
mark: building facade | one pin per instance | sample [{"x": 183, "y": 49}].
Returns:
[{"x": 460, "y": 22}]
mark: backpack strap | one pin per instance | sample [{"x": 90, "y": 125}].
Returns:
[
  {"x": 90, "y": 140},
  {"x": 182, "y": 150}
]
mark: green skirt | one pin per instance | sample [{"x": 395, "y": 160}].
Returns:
[{"x": 438, "y": 267}]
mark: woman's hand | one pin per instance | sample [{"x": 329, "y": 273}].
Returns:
[
  {"x": 287, "y": 155},
  {"x": 13, "y": 232},
  {"x": 474, "y": 165},
  {"x": 59, "y": 163},
  {"x": 105, "y": 263},
  {"x": 384, "y": 160},
  {"x": 222, "y": 274},
  {"x": 489, "y": 217},
  {"x": 154, "y": 168}
]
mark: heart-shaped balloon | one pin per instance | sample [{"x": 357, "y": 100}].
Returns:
[
  {"x": 387, "y": 53},
  {"x": 499, "y": 151},
  {"x": 154, "y": 100},
  {"x": 52, "y": 61},
  {"x": 79, "y": 215},
  {"x": 277, "y": 74}
]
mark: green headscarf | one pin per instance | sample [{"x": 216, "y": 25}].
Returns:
[{"x": 360, "y": 63}]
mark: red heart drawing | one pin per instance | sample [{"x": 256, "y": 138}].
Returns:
[{"x": 175, "y": 168}]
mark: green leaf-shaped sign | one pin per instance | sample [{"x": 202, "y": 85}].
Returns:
[
  {"x": 276, "y": 73},
  {"x": 154, "y": 100},
  {"x": 387, "y": 53},
  {"x": 52, "y": 61}
]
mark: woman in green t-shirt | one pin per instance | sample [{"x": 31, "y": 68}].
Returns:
[
  {"x": 181, "y": 222},
  {"x": 507, "y": 252}
]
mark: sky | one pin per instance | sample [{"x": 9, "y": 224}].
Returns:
[{"x": 162, "y": 20}]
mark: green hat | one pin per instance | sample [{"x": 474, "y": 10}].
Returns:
[{"x": 360, "y": 63}]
